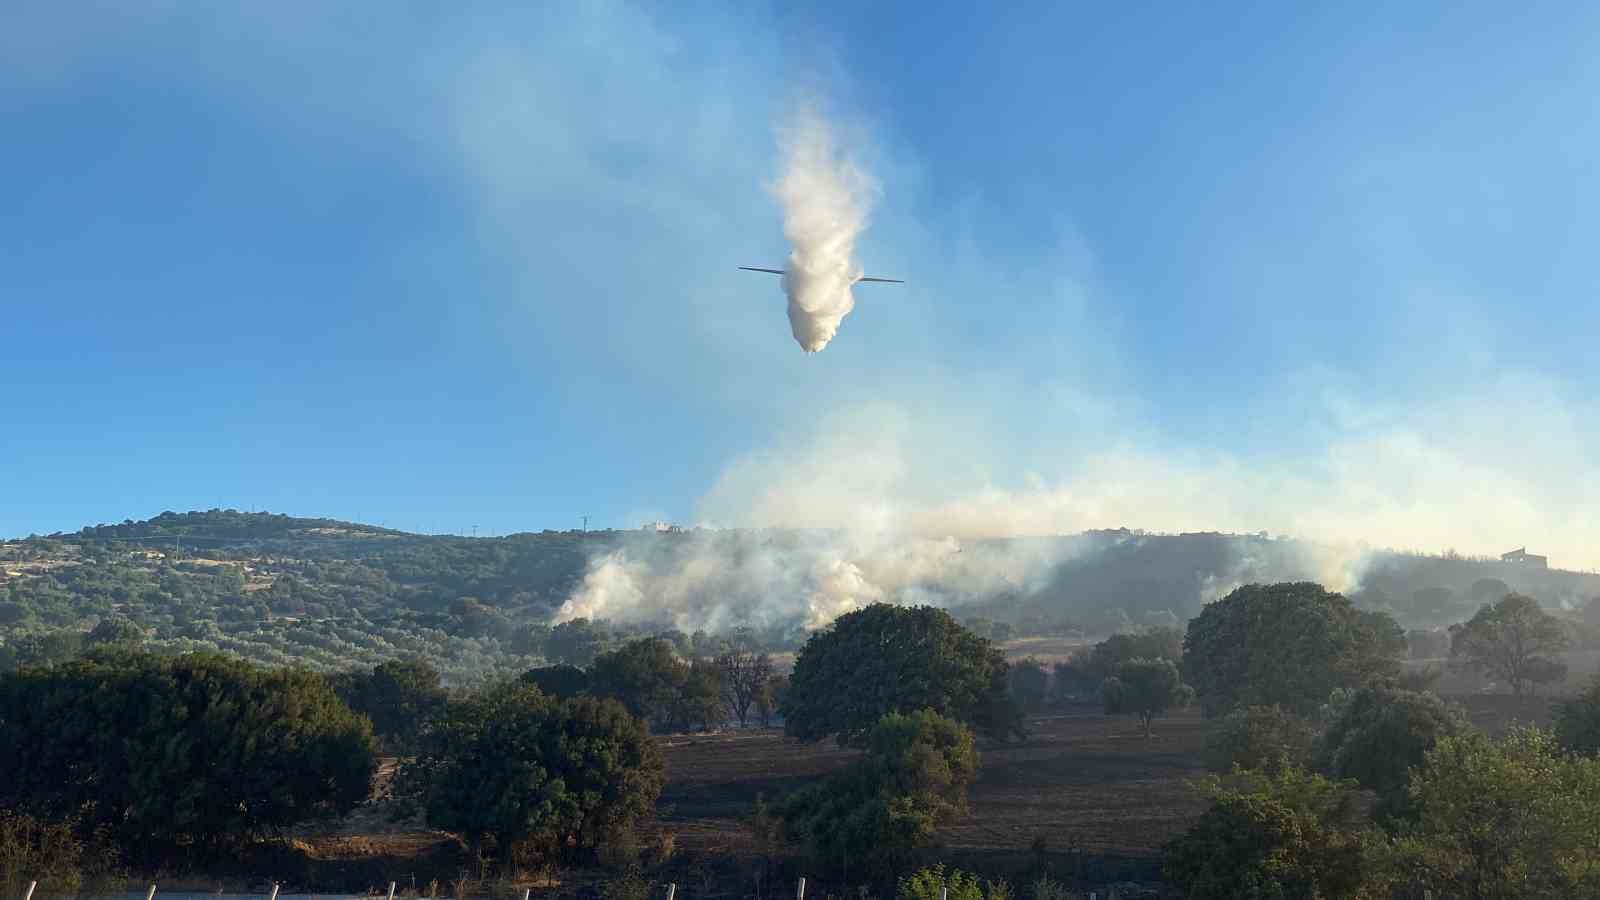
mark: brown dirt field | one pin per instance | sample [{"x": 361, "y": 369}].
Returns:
[{"x": 1081, "y": 780}]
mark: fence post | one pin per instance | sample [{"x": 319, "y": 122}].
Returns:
[
  {"x": 944, "y": 892},
  {"x": 527, "y": 891},
  {"x": 274, "y": 891},
  {"x": 34, "y": 884},
  {"x": 150, "y": 894},
  {"x": 672, "y": 891},
  {"x": 800, "y": 892}
]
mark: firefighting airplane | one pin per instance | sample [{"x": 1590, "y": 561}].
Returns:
[{"x": 859, "y": 278}]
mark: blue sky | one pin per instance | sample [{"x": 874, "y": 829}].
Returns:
[{"x": 1327, "y": 273}]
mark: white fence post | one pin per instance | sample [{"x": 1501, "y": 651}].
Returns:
[
  {"x": 391, "y": 890},
  {"x": 800, "y": 892},
  {"x": 274, "y": 891},
  {"x": 150, "y": 894},
  {"x": 944, "y": 892},
  {"x": 672, "y": 891},
  {"x": 29, "y": 894},
  {"x": 527, "y": 891}
]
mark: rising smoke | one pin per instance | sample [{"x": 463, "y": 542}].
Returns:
[{"x": 825, "y": 200}]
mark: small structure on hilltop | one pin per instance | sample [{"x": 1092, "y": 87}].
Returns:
[{"x": 1523, "y": 557}]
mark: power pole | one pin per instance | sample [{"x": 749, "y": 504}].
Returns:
[
  {"x": 474, "y": 531},
  {"x": 586, "y": 523}
]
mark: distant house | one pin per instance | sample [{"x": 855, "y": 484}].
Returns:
[{"x": 1523, "y": 557}]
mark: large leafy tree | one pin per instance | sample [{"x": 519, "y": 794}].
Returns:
[
  {"x": 401, "y": 697},
  {"x": 198, "y": 748},
  {"x": 645, "y": 675},
  {"x": 1145, "y": 688},
  {"x": 885, "y": 659},
  {"x": 1512, "y": 641},
  {"x": 516, "y": 768},
  {"x": 1503, "y": 819},
  {"x": 1380, "y": 733},
  {"x": 912, "y": 777},
  {"x": 1286, "y": 644}
]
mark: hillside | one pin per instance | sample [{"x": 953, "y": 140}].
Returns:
[{"x": 332, "y": 594}]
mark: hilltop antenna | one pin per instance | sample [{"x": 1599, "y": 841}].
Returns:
[
  {"x": 586, "y": 524},
  {"x": 474, "y": 531}
]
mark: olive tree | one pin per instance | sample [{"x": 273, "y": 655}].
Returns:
[{"x": 1145, "y": 688}]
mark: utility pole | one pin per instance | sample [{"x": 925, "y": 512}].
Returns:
[
  {"x": 474, "y": 531},
  {"x": 585, "y": 523}
]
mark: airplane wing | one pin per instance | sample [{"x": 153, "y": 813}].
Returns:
[{"x": 780, "y": 272}]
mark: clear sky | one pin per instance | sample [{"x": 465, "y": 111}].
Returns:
[{"x": 440, "y": 265}]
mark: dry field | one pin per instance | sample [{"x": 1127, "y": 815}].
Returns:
[{"x": 1086, "y": 789}]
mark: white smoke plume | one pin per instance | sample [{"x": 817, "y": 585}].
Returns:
[{"x": 825, "y": 200}]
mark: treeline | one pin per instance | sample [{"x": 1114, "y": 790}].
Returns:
[{"x": 144, "y": 759}]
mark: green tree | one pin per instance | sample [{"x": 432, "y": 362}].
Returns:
[
  {"x": 771, "y": 697},
  {"x": 1578, "y": 720},
  {"x": 116, "y": 630},
  {"x": 559, "y": 680},
  {"x": 1289, "y": 645},
  {"x": 1029, "y": 684},
  {"x": 1379, "y": 734},
  {"x": 912, "y": 777},
  {"x": 885, "y": 659},
  {"x": 698, "y": 702},
  {"x": 198, "y": 748},
  {"x": 1146, "y": 688},
  {"x": 1259, "y": 737},
  {"x": 1498, "y": 820},
  {"x": 1286, "y": 835},
  {"x": 1512, "y": 641},
  {"x": 401, "y": 697},
  {"x": 576, "y": 642},
  {"x": 515, "y": 769},
  {"x": 646, "y": 676}
]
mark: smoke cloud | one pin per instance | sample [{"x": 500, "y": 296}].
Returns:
[{"x": 825, "y": 200}]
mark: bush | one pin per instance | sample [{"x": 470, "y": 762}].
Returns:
[
  {"x": 1379, "y": 734},
  {"x": 50, "y": 854},
  {"x": 1510, "y": 818},
  {"x": 913, "y": 776},
  {"x": 1259, "y": 737},
  {"x": 512, "y": 765},
  {"x": 937, "y": 883},
  {"x": 1278, "y": 836},
  {"x": 1578, "y": 720}
]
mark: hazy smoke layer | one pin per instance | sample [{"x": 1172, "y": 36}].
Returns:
[{"x": 825, "y": 203}]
